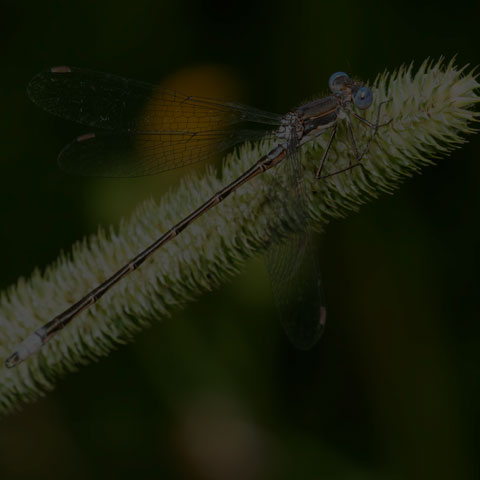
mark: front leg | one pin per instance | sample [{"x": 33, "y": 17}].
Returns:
[
  {"x": 325, "y": 153},
  {"x": 358, "y": 157},
  {"x": 375, "y": 126}
]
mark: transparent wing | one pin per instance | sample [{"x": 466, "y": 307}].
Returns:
[
  {"x": 110, "y": 154},
  {"x": 297, "y": 289},
  {"x": 152, "y": 129},
  {"x": 292, "y": 262},
  {"x": 106, "y": 101}
]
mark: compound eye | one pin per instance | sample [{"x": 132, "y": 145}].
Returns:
[
  {"x": 363, "y": 98},
  {"x": 337, "y": 81}
]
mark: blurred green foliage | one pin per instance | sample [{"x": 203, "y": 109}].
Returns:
[{"x": 393, "y": 389}]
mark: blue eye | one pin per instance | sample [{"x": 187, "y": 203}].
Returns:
[
  {"x": 337, "y": 81},
  {"x": 363, "y": 98}
]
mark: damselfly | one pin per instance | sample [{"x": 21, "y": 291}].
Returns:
[{"x": 145, "y": 130}]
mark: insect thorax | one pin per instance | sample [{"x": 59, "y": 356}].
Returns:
[{"x": 291, "y": 126}]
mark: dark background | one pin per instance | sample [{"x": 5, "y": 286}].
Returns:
[{"x": 393, "y": 390}]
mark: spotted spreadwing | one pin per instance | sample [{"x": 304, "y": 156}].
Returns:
[{"x": 142, "y": 129}]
